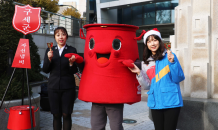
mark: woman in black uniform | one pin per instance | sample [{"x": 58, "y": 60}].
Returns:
[{"x": 61, "y": 83}]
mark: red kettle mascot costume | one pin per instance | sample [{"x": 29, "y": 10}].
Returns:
[{"x": 109, "y": 48}]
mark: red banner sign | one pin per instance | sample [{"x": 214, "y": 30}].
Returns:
[
  {"x": 22, "y": 56},
  {"x": 26, "y": 19}
]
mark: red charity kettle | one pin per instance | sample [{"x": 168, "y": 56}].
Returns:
[
  {"x": 104, "y": 79},
  {"x": 19, "y": 117}
]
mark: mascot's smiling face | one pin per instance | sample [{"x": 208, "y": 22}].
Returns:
[
  {"x": 107, "y": 44},
  {"x": 103, "y": 58},
  {"x": 103, "y": 52}
]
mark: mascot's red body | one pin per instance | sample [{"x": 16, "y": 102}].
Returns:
[{"x": 104, "y": 79}]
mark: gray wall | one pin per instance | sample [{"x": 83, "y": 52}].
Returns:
[
  {"x": 198, "y": 114},
  {"x": 109, "y": 16},
  {"x": 41, "y": 41}
]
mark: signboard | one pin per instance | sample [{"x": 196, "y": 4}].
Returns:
[
  {"x": 22, "y": 56},
  {"x": 26, "y": 19}
]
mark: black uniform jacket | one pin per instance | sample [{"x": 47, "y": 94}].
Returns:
[{"x": 61, "y": 73}]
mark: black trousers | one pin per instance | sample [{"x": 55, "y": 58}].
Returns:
[
  {"x": 165, "y": 119},
  {"x": 61, "y": 101},
  {"x": 99, "y": 115}
]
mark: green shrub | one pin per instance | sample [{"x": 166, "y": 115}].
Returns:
[
  {"x": 14, "y": 90},
  {"x": 9, "y": 39}
]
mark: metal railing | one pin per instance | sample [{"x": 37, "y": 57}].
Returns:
[{"x": 50, "y": 21}]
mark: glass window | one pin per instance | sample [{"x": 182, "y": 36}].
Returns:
[
  {"x": 137, "y": 15},
  {"x": 149, "y": 14},
  {"x": 119, "y": 16},
  {"x": 163, "y": 5},
  {"x": 163, "y": 13},
  {"x": 172, "y": 16},
  {"x": 103, "y": 1},
  {"x": 127, "y": 15},
  {"x": 92, "y": 5},
  {"x": 91, "y": 18},
  {"x": 141, "y": 47},
  {"x": 155, "y": 13},
  {"x": 174, "y": 3}
]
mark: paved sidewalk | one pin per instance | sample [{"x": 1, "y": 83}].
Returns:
[{"x": 82, "y": 111}]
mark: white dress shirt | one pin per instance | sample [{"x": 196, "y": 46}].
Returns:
[{"x": 61, "y": 49}]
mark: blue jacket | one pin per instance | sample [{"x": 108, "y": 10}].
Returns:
[{"x": 164, "y": 87}]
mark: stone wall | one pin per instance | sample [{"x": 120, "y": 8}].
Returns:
[
  {"x": 214, "y": 50},
  {"x": 196, "y": 45},
  {"x": 193, "y": 46},
  {"x": 198, "y": 114}
]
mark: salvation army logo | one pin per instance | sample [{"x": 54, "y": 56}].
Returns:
[{"x": 26, "y": 19}]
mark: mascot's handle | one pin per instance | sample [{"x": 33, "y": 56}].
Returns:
[
  {"x": 140, "y": 37},
  {"x": 81, "y": 32}
]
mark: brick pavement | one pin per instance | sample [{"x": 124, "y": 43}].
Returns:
[{"x": 82, "y": 111}]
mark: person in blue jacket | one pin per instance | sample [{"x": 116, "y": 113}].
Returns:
[{"x": 161, "y": 73}]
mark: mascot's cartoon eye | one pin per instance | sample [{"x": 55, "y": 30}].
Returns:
[
  {"x": 116, "y": 44},
  {"x": 91, "y": 44}
]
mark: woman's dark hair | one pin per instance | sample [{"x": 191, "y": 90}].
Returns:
[
  {"x": 62, "y": 29},
  {"x": 159, "y": 53}
]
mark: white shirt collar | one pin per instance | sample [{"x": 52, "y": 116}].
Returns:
[{"x": 61, "y": 49}]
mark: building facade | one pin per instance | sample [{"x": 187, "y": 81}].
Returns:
[
  {"x": 73, "y": 3},
  {"x": 146, "y": 14},
  {"x": 191, "y": 26},
  {"x": 91, "y": 14},
  {"x": 82, "y": 8}
]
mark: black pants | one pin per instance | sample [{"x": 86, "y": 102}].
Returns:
[
  {"x": 165, "y": 119},
  {"x": 99, "y": 115},
  {"x": 61, "y": 101},
  {"x": 61, "y": 104}
]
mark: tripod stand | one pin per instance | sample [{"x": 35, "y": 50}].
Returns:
[{"x": 14, "y": 64}]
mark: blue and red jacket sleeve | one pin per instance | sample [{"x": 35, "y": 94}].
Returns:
[{"x": 176, "y": 71}]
